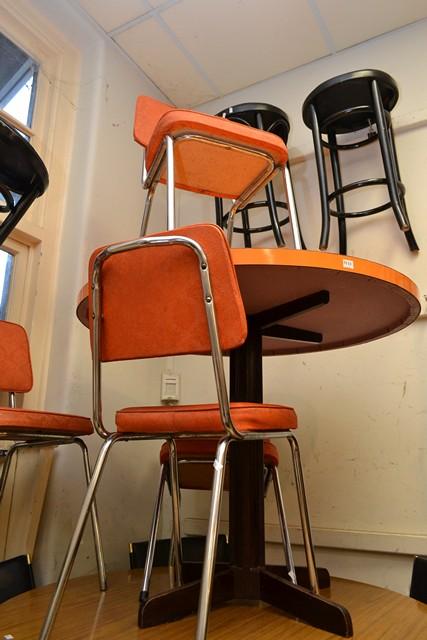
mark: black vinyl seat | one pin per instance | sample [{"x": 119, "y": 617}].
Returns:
[
  {"x": 23, "y": 177},
  {"x": 16, "y": 576},
  {"x": 272, "y": 119},
  {"x": 355, "y": 102}
]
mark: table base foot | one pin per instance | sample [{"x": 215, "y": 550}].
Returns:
[
  {"x": 263, "y": 586},
  {"x": 305, "y": 605},
  {"x": 183, "y": 601}
]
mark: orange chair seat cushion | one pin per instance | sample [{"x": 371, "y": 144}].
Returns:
[
  {"x": 205, "y": 418},
  {"x": 203, "y": 449},
  {"x": 24, "y": 420},
  {"x": 200, "y": 166}
]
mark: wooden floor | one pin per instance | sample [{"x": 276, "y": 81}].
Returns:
[{"x": 86, "y": 614}]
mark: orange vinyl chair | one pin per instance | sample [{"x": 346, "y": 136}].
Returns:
[
  {"x": 195, "y": 471},
  {"x": 164, "y": 295},
  {"x": 207, "y": 155},
  {"x": 28, "y": 428}
]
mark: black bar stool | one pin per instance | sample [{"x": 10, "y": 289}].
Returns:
[
  {"x": 351, "y": 102},
  {"x": 272, "y": 119},
  {"x": 23, "y": 177}
]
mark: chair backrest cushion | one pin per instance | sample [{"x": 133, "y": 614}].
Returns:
[
  {"x": 152, "y": 301},
  {"x": 15, "y": 361},
  {"x": 147, "y": 114}
]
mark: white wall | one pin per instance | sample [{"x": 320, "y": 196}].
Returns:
[{"x": 362, "y": 410}]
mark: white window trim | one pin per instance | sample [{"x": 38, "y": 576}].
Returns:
[{"x": 53, "y": 126}]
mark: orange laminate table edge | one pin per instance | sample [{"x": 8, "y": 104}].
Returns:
[
  {"x": 278, "y": 257},
  {"x": 323, "y": 260}
]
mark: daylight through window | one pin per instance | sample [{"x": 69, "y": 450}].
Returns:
[{"x": 18, "y": 81}]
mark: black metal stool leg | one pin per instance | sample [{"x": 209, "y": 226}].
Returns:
[
  {"x": 410, "y": 238},
  {"x": 387, "y": 157},
  {"x": 246, "y": 228},
  {"x": 339, "y": 198},
  {"x": 219, "y": 212},
  {"x": 323, "y": 183},
  {"x": 274, "y": 217}
]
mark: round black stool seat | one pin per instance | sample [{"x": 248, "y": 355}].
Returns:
[
  {"x": 272, "y": 119},
  {"x": 349, "y": 103},
  {"x": 23, "y": 177}
]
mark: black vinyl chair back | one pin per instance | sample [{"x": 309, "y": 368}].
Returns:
[
  {"x": 355, "y": 102},
  {"x": 16, "y": 576},
  {"x": 274, "y": 120},
  {"x": 418, "y": 589},
  {"x": 23, "y": 177}
]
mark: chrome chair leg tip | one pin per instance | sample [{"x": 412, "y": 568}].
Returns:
[{"x": 143, "y": 597}]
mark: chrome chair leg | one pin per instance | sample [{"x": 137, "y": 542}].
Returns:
[
  {"x": 145, "y": 587},
  {"x": 211, "y": 539},
  {"x": 75, "y": 540},
  {"x": 230, "y": 223},
  {"x": 6, "y": 466},
  {"x": 170, "y": 184},
  {"x": 289, "y": 557},
  {"x": 305, "y": 519},
  {"x": 176, "y": 519},
  {"x": 292, "y": 208},
  {"x": 95, "y": 521}
]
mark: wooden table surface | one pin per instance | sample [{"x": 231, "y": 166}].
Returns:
[{"x": 86, "y": 614}]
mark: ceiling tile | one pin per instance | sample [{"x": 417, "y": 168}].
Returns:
[
  {"x": 155, "y": 51},
  {"x": 158, "y": 3},
  {"x": 110, "y": 14},
  {"x": 351, "y": 22},
  {"x": 239, "y": 42}
]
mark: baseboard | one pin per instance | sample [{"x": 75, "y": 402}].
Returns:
[{"x": 375, "y": 541}]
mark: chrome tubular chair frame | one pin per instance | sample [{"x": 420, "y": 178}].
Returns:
[
  {"x": 230, "y": 433},
  {"x": 40, "y": 441},
  {"x": 166, "y": 154}
]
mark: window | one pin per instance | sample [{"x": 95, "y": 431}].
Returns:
[
  {"x": 18, "y": 82},
  {"x": 6, "y": 267}
]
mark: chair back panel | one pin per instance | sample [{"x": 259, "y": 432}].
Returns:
[
  {"x": 147, "y": 114},
  {"x": 15, "y": 361},
  {"x": 152, "y": 300}
]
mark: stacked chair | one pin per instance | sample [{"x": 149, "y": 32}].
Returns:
[
  {"x": 208, "y": 155},
  {"x": 176, "y": 293}
]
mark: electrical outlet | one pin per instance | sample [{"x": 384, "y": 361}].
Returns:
[
  {"x": 423, "y": 313},
  {"x": 169, "y": 393}
]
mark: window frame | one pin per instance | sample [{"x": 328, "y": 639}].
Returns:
[{"x": 38, "y": 234}]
